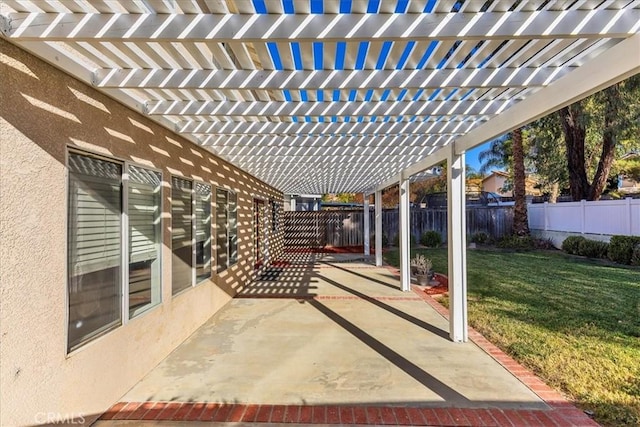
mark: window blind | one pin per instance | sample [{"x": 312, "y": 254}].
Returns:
[
  {"x": 95, "y": 206},
  {"x": 144, "y": 214}
]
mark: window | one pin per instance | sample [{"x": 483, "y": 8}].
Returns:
[
  {"x": 94, "y": 247},
  {"x": 226, "y": 229},
  {"x": 275, "y": 214},
  {"x": 113, "y": 244},
  {"x": 144, "y": 239},
  {"x": 181, "y": 234},
  {"x": 191, "y": 233},
  {"x": 203, "y": 231}
]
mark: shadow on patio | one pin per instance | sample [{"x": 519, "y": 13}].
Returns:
[{"x": 313, "y": 333}]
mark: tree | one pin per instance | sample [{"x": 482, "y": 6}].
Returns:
[
  {"x": 547, "y": 154},
  {"x": 497, "y": 156},
  {"x": 520, "y": 220},
  {"x": 610, "y": 117}
]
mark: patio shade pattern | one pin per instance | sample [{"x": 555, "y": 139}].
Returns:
[{"x": 318, "y": 96}]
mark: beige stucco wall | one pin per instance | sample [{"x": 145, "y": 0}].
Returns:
[
  {"x": 494, "y": 183},
  {"x": 42, "y": 112}
]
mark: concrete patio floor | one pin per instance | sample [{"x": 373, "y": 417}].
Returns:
[{"x": 334, "y": 331}]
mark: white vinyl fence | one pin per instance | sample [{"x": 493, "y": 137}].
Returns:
[{"x": 611, "y": 217}]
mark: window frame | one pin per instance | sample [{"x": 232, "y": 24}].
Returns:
[
  {"x": 125, "y": 315},
  {"x": 125, "y": 210},
  {"x": 220, "y": 268},
  {"x": 194, "y": 274}
]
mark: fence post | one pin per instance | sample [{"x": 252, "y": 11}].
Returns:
[
  {"x": 546, "y": 219},
  {"x": 628, "y": 215},
  {"x": 583, "y": 206}
]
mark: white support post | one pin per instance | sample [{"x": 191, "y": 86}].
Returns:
[
  {"x": 456, "y": 225},
  {"x": 378, "y": 226},
  {"x": 367, "y": 232},
  {"x": 405, "y": 241}
]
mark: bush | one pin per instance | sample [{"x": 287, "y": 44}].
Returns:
[
  {"x": 385, "y": 241},
  {"x": 516, "y": 242},
  {"x": 635, "y": 256},
  {"x": 571, "y": 244},
  {"x": 621, "y": 248},
  {"x": 593, "y": 248},
  {"x": 480, "y": 238},
  {"x": 431, "y": 239},
  {"x": 543, "y": 244}
]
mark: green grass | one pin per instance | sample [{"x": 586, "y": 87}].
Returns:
[{"x": 574, "y": 322}]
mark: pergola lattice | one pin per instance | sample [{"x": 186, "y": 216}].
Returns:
[
  {"x": 321, "y": 96},
  {"x": 330, "y": 96}
]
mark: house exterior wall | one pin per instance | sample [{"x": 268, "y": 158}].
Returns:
[
  {"x": 43, "y": 112},
  {"x": 494, "y": 183}
]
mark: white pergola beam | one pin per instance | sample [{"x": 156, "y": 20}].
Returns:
[
  {"x": 445, "y": 125},
  {"x": 353, "y": 142},
  {"x": 549, "y": 24},
  {"x": 324, "y": 79},
  {"x": 226, "y": 109}
]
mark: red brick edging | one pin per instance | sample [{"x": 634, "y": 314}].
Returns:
[{"x": 380, "y": 415}]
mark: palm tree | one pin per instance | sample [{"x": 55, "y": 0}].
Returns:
[
  {"x": 497, "y": 156},
  {"x": 507, "y": 152},
  {"x": 520, "y": 220}
]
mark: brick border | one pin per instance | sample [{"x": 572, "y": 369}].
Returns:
[{"x": 347, "y": 414}]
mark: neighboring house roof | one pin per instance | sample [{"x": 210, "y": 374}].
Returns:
[{"x": 496, "y": 173}]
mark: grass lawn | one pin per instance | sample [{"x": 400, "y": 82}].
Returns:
[{"x": 573, "y": 321}]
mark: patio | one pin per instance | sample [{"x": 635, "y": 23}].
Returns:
[{"x": 333, "y": 334}]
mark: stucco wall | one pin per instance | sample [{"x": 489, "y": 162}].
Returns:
[{"x": 42, "y": 112}]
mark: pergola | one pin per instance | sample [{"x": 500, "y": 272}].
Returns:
[{"x": 316, "y": 96}]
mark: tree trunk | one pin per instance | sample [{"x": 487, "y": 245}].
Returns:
[
  {"x": 520, "y": 219},
  {"x": 611, "y": 112},
  {"x": 574, "y": 136},
  {"x": 555, "y": 190}
]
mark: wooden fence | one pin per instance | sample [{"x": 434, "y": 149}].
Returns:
[{"x": 345, "y": 228}]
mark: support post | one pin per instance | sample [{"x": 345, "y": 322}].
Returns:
[
  {"x": 457, "y": 245},
  {"x": 367, "y": 232},
  {"x": 405, "y": 241},
  {"x": 378, "y": 226}
]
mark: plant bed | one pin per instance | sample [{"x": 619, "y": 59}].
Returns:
[{"x": 439, "y": 285}]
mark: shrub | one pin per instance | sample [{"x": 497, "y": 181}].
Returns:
[
  {"x": 480, "y": 238},
  {"x": 516, "y": 242},
  {"x": 385, "y": 241},
  {"x": 621, "y": 248},
  {"x": 571, "y": 244},
  {"x": 635, "y": 256},
  {"x": 543, "y": 244},
  {"x": 431, "y": 239},
  {"x": 593, "y": 248}
]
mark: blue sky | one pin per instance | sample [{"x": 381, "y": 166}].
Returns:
[{"x": 472, "y": 155}]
